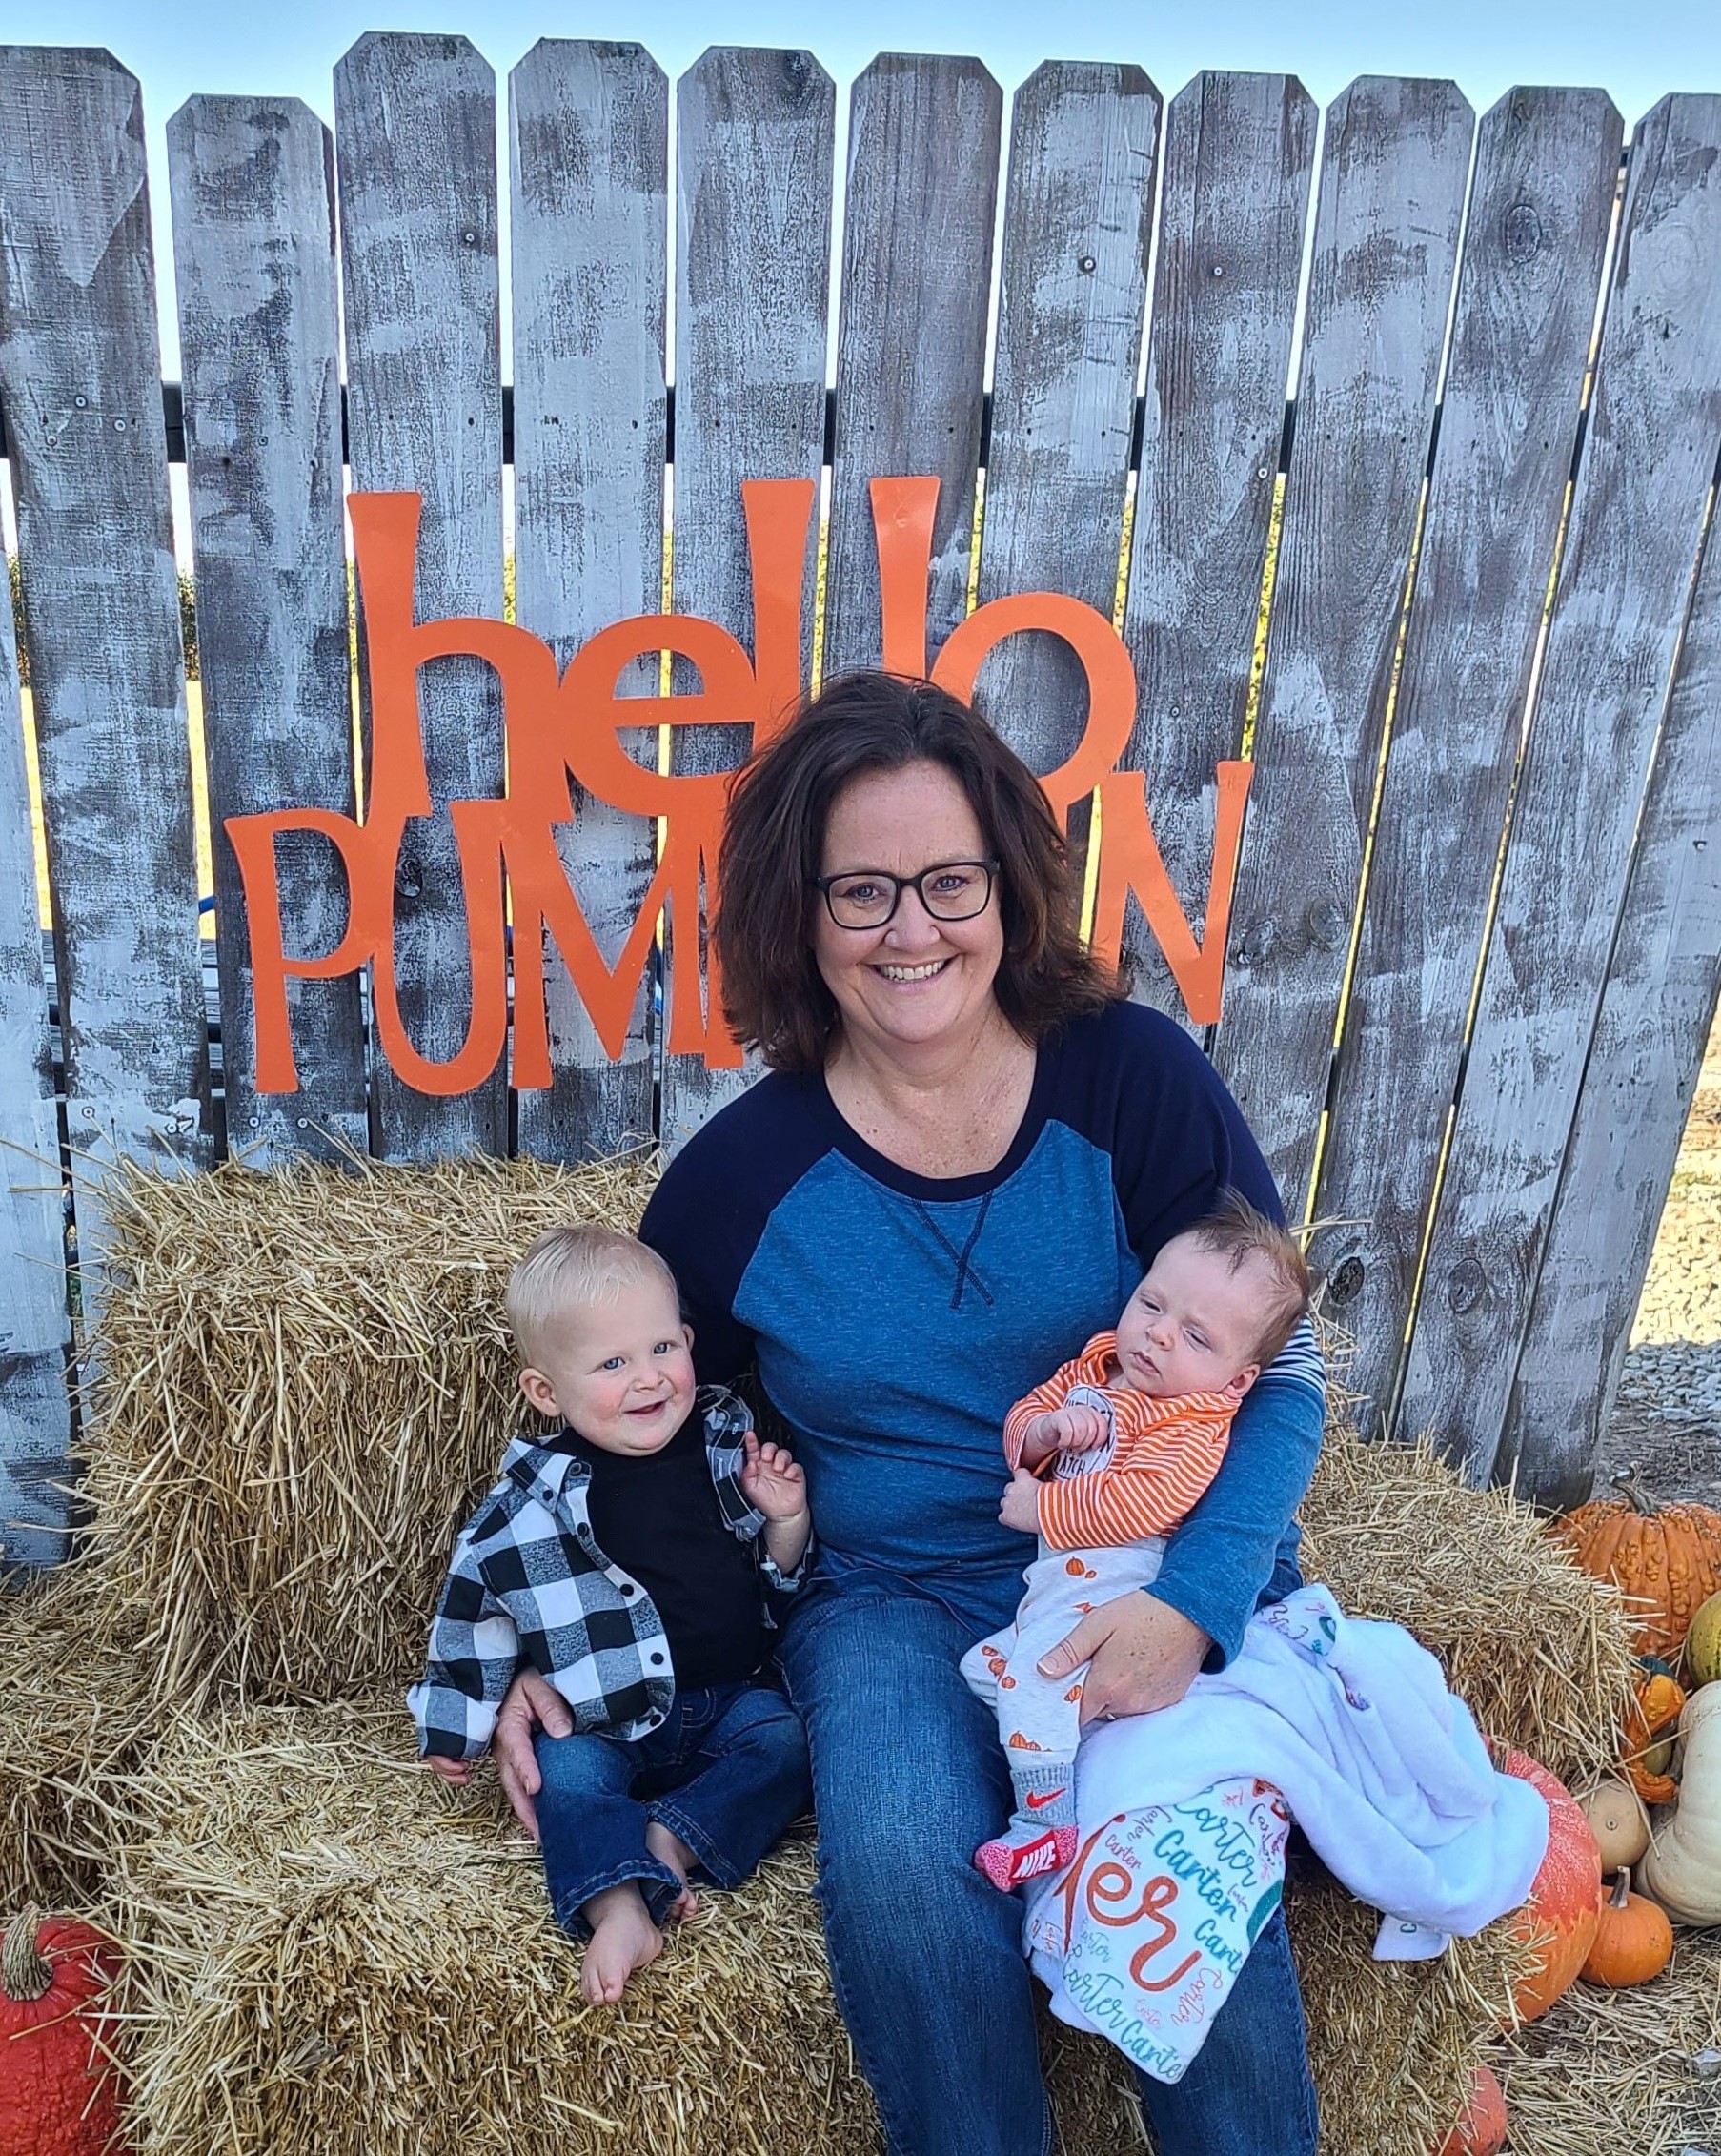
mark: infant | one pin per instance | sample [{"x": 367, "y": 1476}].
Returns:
[
  {"x": 1132, "y": 1431},
  {"x": 627, "y": 1559}
]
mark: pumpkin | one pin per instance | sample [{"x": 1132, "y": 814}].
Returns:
[
  {"x": 1618, "y": 1822},
  {"x": 1703, "y": 1644},
  {"x": 1565, "y": 1897},
  {"x": 1481, "y": 2131},
  {"x": 1651, "y": 1717},
  {"x": 1666, "y": 1559},
  {"x": 59, "y": 2091},
  {"x": 1634, "y": 1940},
  {"x": 1682, "y": 1866}
]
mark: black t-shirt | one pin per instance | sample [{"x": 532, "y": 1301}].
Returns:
[{"x": 657, "y": 1518}]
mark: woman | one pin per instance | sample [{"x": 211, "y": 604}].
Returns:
[{"x": 967, "y": 1153}]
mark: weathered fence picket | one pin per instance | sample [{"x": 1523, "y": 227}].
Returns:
[
  {"x": 1393, "y": 175},
  {"x": 589, "y": 162},
  {"x": 1637, "y": 519},
  {"x": 415, "y": 148},
  {"x": 252, "y": 185},
  {"x": 1539, "y": 212},
  {"x": 80, "y": 373},
  {"x": 1238, "y": 160}
]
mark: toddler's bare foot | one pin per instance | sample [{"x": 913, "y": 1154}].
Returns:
[
  {"x": 670, "y": 1849},
  {"x": 624, "y": 1939}
]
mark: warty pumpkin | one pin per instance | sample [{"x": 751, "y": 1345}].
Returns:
[
  {"x": 1666, "y": 1559},
  {"x": 1482, "y": 2129},
  {"x": 1652, "y": 1719},
  {"x": 1565, "y": 1897},
  {"x": 1682, "y": 1866},
  {"x": 58, "y": 2086},
  {"x": 1633, "y": 1938}
]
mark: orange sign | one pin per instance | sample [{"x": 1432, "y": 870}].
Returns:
[{"x": 567, "y": 724}]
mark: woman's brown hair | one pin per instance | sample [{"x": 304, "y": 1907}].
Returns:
[{"x": 774, "y": 996}]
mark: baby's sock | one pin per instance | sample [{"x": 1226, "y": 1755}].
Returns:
[{"x": 1042, "y": 1834}]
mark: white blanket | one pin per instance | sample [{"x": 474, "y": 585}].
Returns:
[{"x": 1181, "y": 1847}]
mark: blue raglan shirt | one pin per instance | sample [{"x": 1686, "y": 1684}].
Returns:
[{"x": 894, "y": 1318}]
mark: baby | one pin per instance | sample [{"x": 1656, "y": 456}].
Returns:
[
  {"x": 1133, "y": 1432},
  {"x": 626, "y": 1559}
]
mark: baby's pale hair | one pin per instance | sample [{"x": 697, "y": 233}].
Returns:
[
  {"x": 576, "y": 1268},
  {"x": 1236, "y": 1230}
]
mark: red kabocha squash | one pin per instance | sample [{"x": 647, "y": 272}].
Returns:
[
  {"x": 1482, "y": 2129},
  {"x": 1666, "y": 1559},
  {"x": 1564, "y": 1899},
  {"x": 1634, "y": 1940},
  {"x": 58, "y": 2088}
]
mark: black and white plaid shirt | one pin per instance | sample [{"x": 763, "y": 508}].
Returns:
[{"x": 528, "y": 1583}]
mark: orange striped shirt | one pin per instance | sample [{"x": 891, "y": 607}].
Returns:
[{"x": 1165, "y": 1454}]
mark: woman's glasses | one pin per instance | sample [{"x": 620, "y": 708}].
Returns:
[{"x": 867, "y": 898}]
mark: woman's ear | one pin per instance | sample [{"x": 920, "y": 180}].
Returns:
[{"x": 540, "y": 1393}]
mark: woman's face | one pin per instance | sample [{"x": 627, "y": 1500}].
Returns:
[{"x": 916, "y": 981}]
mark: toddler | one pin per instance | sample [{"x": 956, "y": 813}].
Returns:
[
  {"x": 626, "y": 1559},
  {"x": 1132, "y": 1431}
]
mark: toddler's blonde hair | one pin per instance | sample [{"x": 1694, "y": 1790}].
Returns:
[
  {"x": 576, "y": 1268},
  {"x": 1235, "y": 1229}
]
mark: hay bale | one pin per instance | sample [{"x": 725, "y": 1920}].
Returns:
[
  {"x": 1541, "y": 1653},
  {"x": 73, "y": 1729},
  {"x": 305, "y": 1383}
]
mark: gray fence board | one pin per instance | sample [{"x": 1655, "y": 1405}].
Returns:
[
  {"x": 259, "y": 327},
  {"x": 415, "y": 148},
  {"x": 1541, "y": 201},
  {"x": 1644, "y": 1064},
  {"x": 911, "y": 337},
  {"x": 1072, "y": 298},
  {"x": 35, "y": 1325},
  {"x": 1238, "y": 159},
  {"x": 1394, "y": 173},
  {"x": 80, "y": 379},
  {"x": 589, "y": 135},
  {"x": 754, "y": 140},
  {"x": 1636, "y": 517}
]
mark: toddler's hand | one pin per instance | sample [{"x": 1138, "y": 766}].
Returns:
[
  {"x": 457, "y": 1771},
  {"x": 1078, "y": 1429},
  {"x": 772, "y": 1482},
  {"x": 1020, "y": 1506}
]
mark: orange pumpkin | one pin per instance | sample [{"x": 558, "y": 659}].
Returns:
[
  {"x": 1482, "y": 2129},
  {"x": 1651, "y": 1717},
  {"x": 1634, "y": 1940},
  {"x": 1564, "y": 1899},
  {"x": 58, "y": 2094},
  {"x": 1666, "y": 1559}
]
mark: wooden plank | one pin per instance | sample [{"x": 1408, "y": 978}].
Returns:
[
  {"x": 1238, "y": 159},
  {"x": 35, "y": 1325},
  {"x": 589, "y": 135},
  {"x": 911, "y": 338},
  {"x": 252, "y": 187},
  {"x": 1547, "y": 161},
  {"x": 1072, "y": 297},
  {"x": 415, "y": 132},
  {"x": 1394, "y": 173},
  {"x": 1644, "y": 1066},
  {"x": 1636, "y": 518},
  {"x": 80, "y": 379},
  {"x": 754, "y": 140}
]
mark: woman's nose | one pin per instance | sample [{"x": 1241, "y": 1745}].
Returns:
[{"x": 912, "y": 927}]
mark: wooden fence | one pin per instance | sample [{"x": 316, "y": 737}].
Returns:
[{"x": 1491, "y": 612}]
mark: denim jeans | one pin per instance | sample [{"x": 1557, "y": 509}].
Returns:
[
  {"x": 927, "y": 1956},
  {"x": 727, "y": 1772}
]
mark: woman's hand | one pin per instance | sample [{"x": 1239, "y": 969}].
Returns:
[
  {"x": 1145, "y": 1654},
  {"x": 530, "y": 1702}
]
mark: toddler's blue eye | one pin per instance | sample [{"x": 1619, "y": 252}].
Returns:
[
  {"x": 614, "y": 1363},
  {"x": 664, "y": 1347}
]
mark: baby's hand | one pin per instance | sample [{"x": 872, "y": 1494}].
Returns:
[
  {"x": 1071, "y": 1429},
  {"x": 771, "y": 1481},
  {"x": 457, "y": 1771},
  {"x": 1020, "y": 1506}
]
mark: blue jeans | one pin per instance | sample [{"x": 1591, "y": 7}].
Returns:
[
  {"x": 727, "y": 1772},
  {"x": 927, "y": 1956}
]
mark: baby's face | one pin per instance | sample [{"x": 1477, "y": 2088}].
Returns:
[
  {"x": 618, "y": 1374},
  {"x": 1192, "y": 1325}
]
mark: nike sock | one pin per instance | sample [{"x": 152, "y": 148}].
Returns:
[{"x": 1042, "y": 1834}]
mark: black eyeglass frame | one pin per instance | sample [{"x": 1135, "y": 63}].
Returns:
[{"x": 900, "y": 883}]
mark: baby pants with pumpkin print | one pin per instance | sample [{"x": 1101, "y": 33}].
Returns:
[{"x": 1040, "y": 1718}]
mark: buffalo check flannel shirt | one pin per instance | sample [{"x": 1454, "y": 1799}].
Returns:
[{"x": 528, "y": 1583}]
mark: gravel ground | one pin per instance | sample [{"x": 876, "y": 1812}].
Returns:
[{"x": 1668, "y": 1416}]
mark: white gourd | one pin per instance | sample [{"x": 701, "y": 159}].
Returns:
[{"x": 1682, "y": 1869}]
